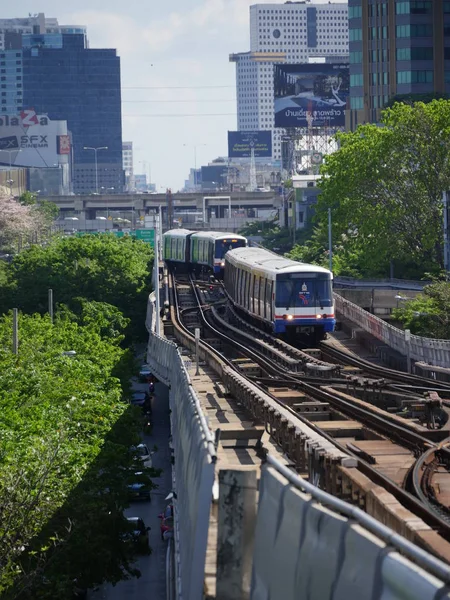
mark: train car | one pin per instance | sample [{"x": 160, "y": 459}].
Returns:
[
  {"x": 176, "y": 245},
  {"x": 208, "y": 248},
  {"x": 289, "y": 298}
]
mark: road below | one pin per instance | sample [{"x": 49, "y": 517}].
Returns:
[{"x": 152, "y": 583}]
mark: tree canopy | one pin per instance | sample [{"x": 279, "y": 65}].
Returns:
[
  {"x": 66, "y": 455},
  {"x": 428, "y": 314},
  {"x": 100, "y": 268},
  {"x": 385, "y": 187}
]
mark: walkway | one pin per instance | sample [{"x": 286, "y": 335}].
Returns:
[{"x": 152, "y": 583}]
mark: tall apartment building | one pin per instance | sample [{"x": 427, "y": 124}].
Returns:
[
  {"x": 294, "y": 32},
  {"x": 396, "y": 48},
  {"x": 50, "y": 68},
  {"x": 127, "y": 158}
]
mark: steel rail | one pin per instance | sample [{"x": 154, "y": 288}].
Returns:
[{"x": 425, "y": 512}]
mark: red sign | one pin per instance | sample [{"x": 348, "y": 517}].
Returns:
[{"x": 63, "y": 144}]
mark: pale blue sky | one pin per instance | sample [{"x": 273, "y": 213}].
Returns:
[{"x": 165, "y": 45}]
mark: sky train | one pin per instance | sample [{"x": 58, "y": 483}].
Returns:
[
  {"x": 200, "y": 248},
  {"x": 284, "y": 296}
]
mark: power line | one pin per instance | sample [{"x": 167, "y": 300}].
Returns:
[
  {"x": 186, "y": 115},
  {"x": 177, "y": 87}
]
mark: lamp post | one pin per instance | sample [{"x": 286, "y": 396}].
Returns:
[{"x": 96, "y": 169}]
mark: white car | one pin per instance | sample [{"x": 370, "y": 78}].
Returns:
[{"x": 145, "y": 455}]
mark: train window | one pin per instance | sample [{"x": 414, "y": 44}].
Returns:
[{"x": 307, "y": 289}]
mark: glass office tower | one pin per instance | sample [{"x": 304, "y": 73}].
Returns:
[
  {"x": 397, "y": 48},
  {"x": 63, "y": 78}
]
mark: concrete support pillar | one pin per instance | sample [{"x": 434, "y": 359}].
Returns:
[{"x": 236, "y": 527}]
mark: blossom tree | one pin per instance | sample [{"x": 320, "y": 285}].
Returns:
[{"x": 15, "y": 220}]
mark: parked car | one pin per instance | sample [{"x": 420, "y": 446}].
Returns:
[
  {"x": 166, "y": 528},
  {"x": 144, "y": 455},
  {"x": 144, "y": 373},
  {"x": 139, "y": 532},
  {"x": 141, "y": 399},
  {"x": 139, "y": 488}
]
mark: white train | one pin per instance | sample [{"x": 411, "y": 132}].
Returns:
[{"x": 287, "y": 297}]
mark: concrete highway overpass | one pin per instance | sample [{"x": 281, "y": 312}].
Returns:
[{"x": 214, "y": 204}]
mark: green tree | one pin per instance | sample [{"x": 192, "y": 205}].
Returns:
[
  {"x": 385, "y": 185},
  {"x": 100, "y": 268},
  {"x": 66, "y": 457},
  {"x": 428, "y": 314}
]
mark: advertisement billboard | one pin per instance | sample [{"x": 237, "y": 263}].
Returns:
[
  {"x": 31, "y": 140},
  {"x": 310, "y": 93},
  {"x": 240, "y": 144}
]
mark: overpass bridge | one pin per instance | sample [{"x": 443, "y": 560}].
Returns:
[{"x": 208, "y": 205}]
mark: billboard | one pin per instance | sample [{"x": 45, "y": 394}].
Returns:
[
  {"x": 240, "y": 144},
  {"x": 314, "y": 93},
  {"x": 31, "y": 140},
  {"x": 63, "y": 144}
]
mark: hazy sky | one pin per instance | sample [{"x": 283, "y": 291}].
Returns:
[{"x": 164, "y": 46}]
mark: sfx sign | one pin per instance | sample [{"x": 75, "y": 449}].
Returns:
[{"x": 31, "y": 140}]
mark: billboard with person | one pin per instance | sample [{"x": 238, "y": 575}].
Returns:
[
  {"x": 241, "y": 143},
  {"x": 310, "y": 94}
]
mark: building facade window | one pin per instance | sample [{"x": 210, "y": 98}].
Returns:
[
  {"x": 356, "y": 102},
  {"x": 356, "y": 79},
  {"x": 425, "y": 53},
  {"x": 355, "y": 58},
  {"x": 355, "y": 35},
  {"x": 414, "y": 77},
  {"x": 417, "y": 30},
  {"x": 414, "y": 7},
  {"x": 355, "y": 12}
]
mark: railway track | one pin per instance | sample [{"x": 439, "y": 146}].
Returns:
[{"x": 392, "y": 448}]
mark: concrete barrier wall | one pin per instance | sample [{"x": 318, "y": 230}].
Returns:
[
  {"x": 194, "y": 455},
  {"x": 306, "y": 551},
  {"x": 432, "y": 351}
]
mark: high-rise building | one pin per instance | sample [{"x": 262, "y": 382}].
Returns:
[
  {"x": 127, "y": 158},
  {"x": 50, "y": 68},
  {"x": 294, "y": 32},
  {"x": 396, "y": 48}
]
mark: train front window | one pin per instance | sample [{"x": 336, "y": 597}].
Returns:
[
  {"x": 295, "y": 290},
  {"x": 222, "y": 246}
]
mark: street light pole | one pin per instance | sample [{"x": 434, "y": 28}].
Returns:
[{"x": 95, "y": 158}]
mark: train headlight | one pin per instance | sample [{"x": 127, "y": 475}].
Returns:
[
  {"x": 288, "y": 317},
  {"x": 222, "y": 264},
  {"x": 319, "y": 316}
]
